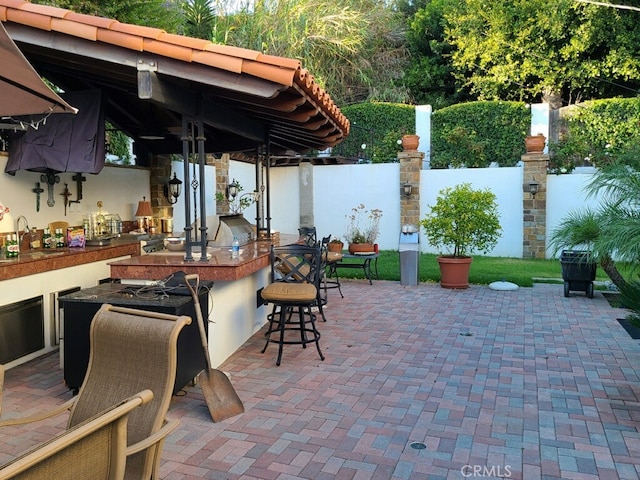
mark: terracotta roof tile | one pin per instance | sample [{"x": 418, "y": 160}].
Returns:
[
  {"x": 42, "y": 22},
  {"x": 284, "y": 71},
  {"x": 102, "y": 22},
  {"x": 280, "y": 61},
  {"x": 233, "y": 51},
  {"x": 146, "y": 32},
  {"x": 269, "y": 72},
  {"x": 225, "y": 62},
  {"x": 181, "y": 40},
  {"x": 131, "y": 42},
  {"x": 80, "y": 30},
  {"x": 167, "y": 50},
  {"x": 54, "y": 12}
]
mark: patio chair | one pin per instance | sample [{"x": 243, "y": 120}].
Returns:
[
  {"x": 295, "y": 275},
  {"x": 308, "y": 236},
  {"x": 95, "y": 448},
  {"x": 131, "y": 350}
]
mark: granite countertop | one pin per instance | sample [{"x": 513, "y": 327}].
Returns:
[
  {"x": 218, "y": 266},
  {"x": 44, "y": 260}
]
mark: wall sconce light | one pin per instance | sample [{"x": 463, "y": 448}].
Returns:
[
  {"x": 172, "y": 189},
  {"x": 406, "y": 189},
  {"x": 232, "y": 190},
  {"x": 533, "y": 188}
]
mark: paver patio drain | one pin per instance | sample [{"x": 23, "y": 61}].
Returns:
[{"x": 418, "y": 446}]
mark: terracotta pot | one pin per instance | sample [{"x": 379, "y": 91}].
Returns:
[
  {"x": 410, "y": 142},
  {"x": 360, "y": 248},
  {"x": 535, "y": 143},
  {"x": 454, "y": 271},
  {"x": 335, "y": 247}
]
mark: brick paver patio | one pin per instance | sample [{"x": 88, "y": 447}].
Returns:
[{"x": 524, "y": 385}]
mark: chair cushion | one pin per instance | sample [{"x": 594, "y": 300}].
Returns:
[
  {"x": 333, "y": 257},
  {"x": 289, "y": 292}
]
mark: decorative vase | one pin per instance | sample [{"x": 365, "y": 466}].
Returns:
[
  {"x": 534, "y": 143},
  {"x": 360, "y": 248},
  {"x": 410, "y": 143},
  {"x": 454, "y": 272},
  {"x": 335, "y": 247}
]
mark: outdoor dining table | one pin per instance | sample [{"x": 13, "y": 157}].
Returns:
[{"x": 367, "y": 261}]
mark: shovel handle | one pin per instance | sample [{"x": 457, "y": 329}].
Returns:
[{"x": 198, "y": 309}]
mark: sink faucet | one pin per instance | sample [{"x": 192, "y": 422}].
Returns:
[{"x": 26, "y": 228}]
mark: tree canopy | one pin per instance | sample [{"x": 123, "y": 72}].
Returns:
[{"x": 533, "y": 49}]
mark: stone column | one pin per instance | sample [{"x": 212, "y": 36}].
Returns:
[
  {"x": 159, "y": 176},
  {"x": 534, "y": 208},
  {"x": 410, "y": 165},
  {"x": 222, "y": 181},
  {"x": 307, "y": 218}
]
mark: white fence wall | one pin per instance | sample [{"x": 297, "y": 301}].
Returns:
[
  {"x": 505, "y": 183},
  {"x": 339, "y": 188}
]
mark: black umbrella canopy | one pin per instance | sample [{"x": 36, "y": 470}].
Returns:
[{"x": 24, "y": 97}]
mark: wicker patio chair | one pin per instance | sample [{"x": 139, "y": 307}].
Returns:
[
  {"x": 95, "y": 448},
  {"x": 131, "y": 350}
]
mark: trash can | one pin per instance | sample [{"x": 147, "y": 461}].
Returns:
[
  {"x": 578, "y": 271},
  {"x": 409, "y": 248}
]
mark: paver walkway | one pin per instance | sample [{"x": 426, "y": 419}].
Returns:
[{"x": 524, "y": 385}]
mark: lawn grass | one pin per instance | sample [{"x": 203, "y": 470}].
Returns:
[{"x": 484, "y": 270}]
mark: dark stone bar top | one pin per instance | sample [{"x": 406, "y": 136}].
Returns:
[
  {"x": 37, "y": 261},
  {"x": 219, "y": 265}
]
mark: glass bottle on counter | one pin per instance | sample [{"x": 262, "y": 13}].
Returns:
[
  {"x": 59, "y": 238},
  {"x": 12, "y": 246},
  {"x": 34, "y": 239},
  {"x": 46, "y": 238}
]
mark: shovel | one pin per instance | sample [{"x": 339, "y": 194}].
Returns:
[{"x": 222, "y": 399}]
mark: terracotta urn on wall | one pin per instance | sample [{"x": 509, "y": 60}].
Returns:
[
  {"x": 410, "y": 142},
  {"x": 535, "y": 143}
]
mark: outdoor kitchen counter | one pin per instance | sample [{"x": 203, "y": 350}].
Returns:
[
  {"x": 219, "y": 266},
  {"x": 39, "y": 261}
]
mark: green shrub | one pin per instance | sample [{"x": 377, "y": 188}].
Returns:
[
  {"x": 596, "y": 133},
  {"x": 475, "y": 134},
  {"x": 378, "y": 126}
]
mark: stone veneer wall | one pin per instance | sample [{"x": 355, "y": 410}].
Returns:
[
  {"x": 161, "y": 173},
  {"x": 410, "y": 165},
  {"x": 222, "y": 180},
  {"x": 534, "y": 209}
]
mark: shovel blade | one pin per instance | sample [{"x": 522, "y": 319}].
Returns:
[{"x": 221, "y": 398}]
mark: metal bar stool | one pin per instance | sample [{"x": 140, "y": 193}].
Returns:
[{"x": 295, "y": 281}]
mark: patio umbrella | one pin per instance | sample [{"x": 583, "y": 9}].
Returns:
[{"x": 22, "y": 91}]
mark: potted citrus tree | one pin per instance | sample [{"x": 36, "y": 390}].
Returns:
[{"x": 462, "y": 221}]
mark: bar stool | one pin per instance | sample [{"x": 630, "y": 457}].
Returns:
[
  {"x": 308, "y": 235},
  {"x": 330, "y": 277},
  {"x": 295, "y": 280}
]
